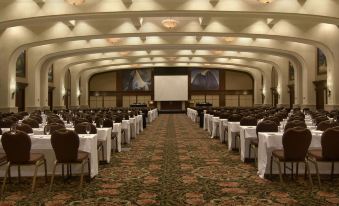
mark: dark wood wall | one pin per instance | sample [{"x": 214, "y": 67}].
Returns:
[{"x": 222, "y": 91}]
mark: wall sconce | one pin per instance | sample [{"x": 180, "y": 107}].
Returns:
[
  {"x": 329, "y": 93},
  {"x": 13, "y": 93},
  {"x": 63, "y": 97}
]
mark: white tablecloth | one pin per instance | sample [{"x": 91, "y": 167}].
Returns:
[
  {"x": 222, "y": 127},
  {"x": 215, "y": 121},
  {"x": 269, "y": 141},
  {"x": 133, "y": 127},
  {"x": 152, "y": 115},
  {"x": 117, "y": 143},
  {"x": 192, "y": 114},
  {"x": 139, "y": 123},
  {"x": 125, "y": 126},
  {"x": 42, "y": 144},
  {"x": 233, "y": 130}
]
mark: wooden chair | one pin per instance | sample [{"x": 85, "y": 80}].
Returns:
[
  {"x": 24, "y": 128},
  {"x": 329, "y": 150},
  {"x": 17, "y": 146},
  {"x": 296, "y": 142},
  {"x": 80, "y": 128},
  {"x": 65, "y": 144}
]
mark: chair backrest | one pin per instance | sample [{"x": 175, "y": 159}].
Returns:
[
  {"x": 235, "y": 118},
  {"x": 31, "y": 122},
  {"x": 224, "y": 115},
  {"x": 6, "y": 123},
  {"x": 17, "y": 146},
  {"x": 324, "y": 125},
  {"x": 54, "y": 127},
  {"x": 80, "y": 120},
  {"x": 37, "y": 118},
  {"x": 81, "y": 128},
  {"x": 320, "y": 119},
  {"x": 295, "y": 123},
  {"x": 329, "y": 144},
  {"x": 108, "y": 123},
  {"x": 296, "y": 142},
  {"x": 267, "y": 126},
  {"x": 248, "y": 121},
  {"x": 65, "y": 144},
  {"x": 274, "y": 119},
  {"x": 24, "y": 128}
]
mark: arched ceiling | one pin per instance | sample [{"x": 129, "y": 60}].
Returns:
[{"x": 284, "y": 28}]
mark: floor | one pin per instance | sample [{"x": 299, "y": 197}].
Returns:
[{"x": 173, "y": 162}]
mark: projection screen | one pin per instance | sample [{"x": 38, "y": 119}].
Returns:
[{"x": 171, "y": 88}]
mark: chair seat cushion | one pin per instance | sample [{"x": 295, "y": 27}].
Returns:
[
  {"x": 3, "y": 158},
  {"x": 254, "y": 142},
  {"x": 33, "y": 158},
  {"x": 279, "y": 154},
  {"x": 316, "y": 154},
  {"x": 82, "y": 156}
]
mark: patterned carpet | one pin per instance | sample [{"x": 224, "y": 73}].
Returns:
[{"x": 173, "y": 162}]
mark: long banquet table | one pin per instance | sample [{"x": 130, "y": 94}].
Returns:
[
  {"x": 42, "y": 144},
  {"x": 270, "y": 141}
]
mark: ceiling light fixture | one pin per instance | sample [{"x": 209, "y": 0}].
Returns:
[
  {"x": 217, "y": 52},
  {"x": 124, "y": 53},
  {"x": 169, "y": 23},
  {"x": 113, "y": 40},
  {"x": 75, "y": 2},
  {"x": 265, "y": 1},
  {"x": 229, "y": 38}
]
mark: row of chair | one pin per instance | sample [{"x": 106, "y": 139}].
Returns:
[{"x": 65, "y": 143}]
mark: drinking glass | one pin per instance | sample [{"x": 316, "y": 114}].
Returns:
[
  {"x": 88, "y": 128},
  {"x": 47, "y": 129},
  {"x": 101, "y": 123},
  {"x": 13, "y": 128}
]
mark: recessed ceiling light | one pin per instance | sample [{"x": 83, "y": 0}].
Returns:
[
  {"x": 229, "y": 38},
  {"x": 217, "y": 52},
  {"x": 75, "y": 2},
  {"x": 124, "y": 53},
  {"x": 113, "y": 40}
]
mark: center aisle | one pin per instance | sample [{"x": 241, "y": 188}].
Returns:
[{"x": 173, "y": 162}]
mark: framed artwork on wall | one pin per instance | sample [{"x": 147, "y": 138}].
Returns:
[
  {"x": 204, "y": 79},
  {"x": 21, "y": 65},
  {"x": 321, "y": 62},
  {"x": 50, "y": 73},
  {"x": 290, "y": 71},
  {"x": 137, "y": 80}
]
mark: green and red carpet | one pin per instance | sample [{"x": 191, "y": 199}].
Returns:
[{"x": 173, "y": 162}]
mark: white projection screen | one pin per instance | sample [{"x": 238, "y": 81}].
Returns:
[{"x": 171, "y": 88}]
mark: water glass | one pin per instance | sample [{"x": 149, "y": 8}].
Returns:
[
  {"x": 47, "y": 129},
  {"x": 88, "y": 128}
]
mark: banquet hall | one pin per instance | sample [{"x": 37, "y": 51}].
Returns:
[{"x": 169, "y": 102}]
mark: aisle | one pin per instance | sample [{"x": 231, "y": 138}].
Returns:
[{"x": 173, "y": 162}]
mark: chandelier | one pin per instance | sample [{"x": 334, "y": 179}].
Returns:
[
  {"x": 75, "y": 2},
  {"x": 113, "y": 40},
  {"x": 169, "y": 23},
  {"x": 265, "y": 1}
]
